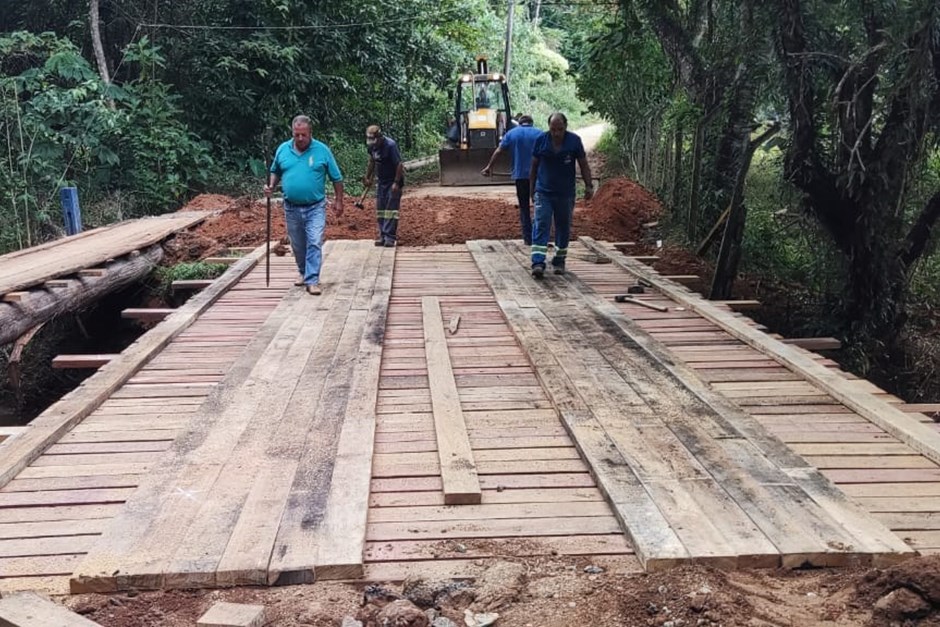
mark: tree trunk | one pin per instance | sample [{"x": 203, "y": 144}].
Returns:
[
  {"x": 697, "y": 145},
  {"x": 677, "y": 170},
  {"x": 729, "y": 257},
  {"x": 41, "y": 305},
  {"x": 93, "y": 18}
]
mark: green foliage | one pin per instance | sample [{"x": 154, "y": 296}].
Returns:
[
  {"x": 64, "y": 127},
  {"x": 187, "y": 271},
  {"x": 161, "y": 160}
]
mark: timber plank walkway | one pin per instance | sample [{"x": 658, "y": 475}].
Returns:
[
  {"x": 281, "y": 438},
  {"x": 32, "y": 266}
]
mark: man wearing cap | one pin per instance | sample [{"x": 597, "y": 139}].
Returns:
[
  {"x": 386, "y": 164},
  {"x": 519, "y": 141},
  {"x": 302, "y": 165}
]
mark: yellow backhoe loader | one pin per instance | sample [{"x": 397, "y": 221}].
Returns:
[{"x": 481, "y": 118}]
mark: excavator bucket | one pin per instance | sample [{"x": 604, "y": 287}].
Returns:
[{"x": 462, "y": 167}]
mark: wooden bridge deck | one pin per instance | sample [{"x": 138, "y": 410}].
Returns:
[
  {"x": 632, "y": 436},
  {"x": 33, "y": 266}
]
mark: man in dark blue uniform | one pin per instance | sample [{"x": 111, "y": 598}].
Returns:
[
  {"x": 552, "y": 181},
  {"x": 386, "y": 164}
]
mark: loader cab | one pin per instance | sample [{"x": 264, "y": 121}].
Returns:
[
  {"x": 481, "y": 117},
  {"x": 482, "y": 109}
]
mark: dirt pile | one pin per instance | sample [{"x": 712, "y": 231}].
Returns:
[{"x": 616, "y": 213}]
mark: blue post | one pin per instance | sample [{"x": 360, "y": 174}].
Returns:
[{"x": 71, "y": 213}]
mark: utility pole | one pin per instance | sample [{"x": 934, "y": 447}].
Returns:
[{"x": 508, "y": 53}]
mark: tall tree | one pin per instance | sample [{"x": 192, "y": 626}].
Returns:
[{"x": 864, "y": 109}]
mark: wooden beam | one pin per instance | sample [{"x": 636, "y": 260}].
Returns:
[
  {"x": 82, "y": 361},
  {"x": 56, "y": 283},
  {"x": 15, "y": 297},
  {"x": 458, "y": 471},
  {"x": 815, "y": 343},
  {"x": 93, "y": 272},
  {"x": 739, "y": 305},
  {"x": 683, "y": 279},
  {"x": 48, "y": 427},
  {"x": 28, "y": 609},
  {"x": 648, "y": 259},
  {"x": 155, "y": 314},
  {"x": 222, "y": 260},
  {"x": 8, "y": 432},
  {"x": 240, "y": 250},
  {"x": 190, "y": 284}
]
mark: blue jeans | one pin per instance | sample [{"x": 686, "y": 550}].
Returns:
[
  {"x": 548, "y": 208},
  {"x": 305, "y": 226}
]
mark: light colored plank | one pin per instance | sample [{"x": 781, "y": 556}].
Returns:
[
  {"x": 28, "y": 609},
  {"x": 458, "y": 470}
]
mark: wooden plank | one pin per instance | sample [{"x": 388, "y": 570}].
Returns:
[
  {"x": 655, "y": 542},
  {"x": 342, "y": 536},
  {"x": 15, "y": 297},
  {"x": 221, "y": 260},
  {"x": 739, "y": 305},
  {"x": 190, "y": 284},
  {"x": 82, "y": 361},
  {"x": 59, "y": 418},
  {"x": 890, "y": 418},
  {"x": 814, "y": 343},
  {"x": 458, "y": 471},
  {"x": 172, "y": 495},
  {"x": 316, "y": 432},
  {"x": 28, "y": 609},
  {"x": 69, "y": 254}
]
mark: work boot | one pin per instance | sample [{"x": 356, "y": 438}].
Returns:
[
  {"x": 314, "y": 290},
  {"x": 538, "y": 270},
  {"x": 559, "y": 268}
]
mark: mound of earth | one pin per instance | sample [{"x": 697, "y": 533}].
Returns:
[{"x": 616, "y": 213}]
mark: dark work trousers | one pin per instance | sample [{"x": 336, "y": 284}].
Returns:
[
  {"x": 525, "y": 215},
  {"x": 387, "y": 206}
]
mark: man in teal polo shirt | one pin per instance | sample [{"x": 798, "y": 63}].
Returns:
[{"x": 302, "y": 165}]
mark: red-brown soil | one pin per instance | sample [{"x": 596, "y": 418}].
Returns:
[{"x": 616, "y": 213}]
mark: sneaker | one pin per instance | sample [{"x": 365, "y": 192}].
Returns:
[
  {"x": 559, "y": 268},
  {"x": 389, "y": 244},
  {"x": 538, "y": 270},
  {"x": 314, "y": 290},
  {"x": 379, "y": 242}
]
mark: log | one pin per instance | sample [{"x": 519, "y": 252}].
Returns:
[{"x": 18, "y": 318}]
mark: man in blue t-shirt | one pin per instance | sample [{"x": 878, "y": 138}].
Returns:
[
  {"x": 519, "y": 142},
  {"x": 552, "y": 181},
  {"x": 385, "y": 162},
  {"x": 302, "y": 165}
]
